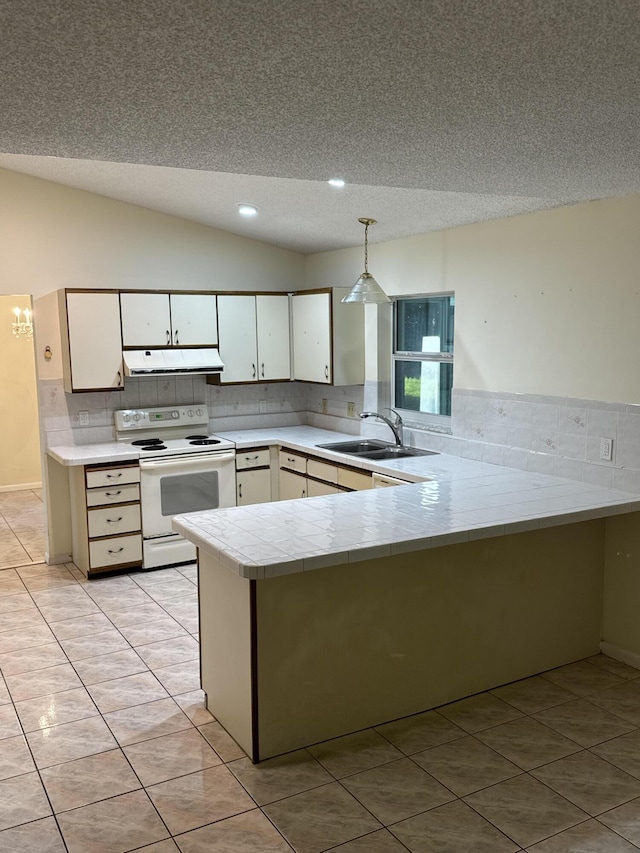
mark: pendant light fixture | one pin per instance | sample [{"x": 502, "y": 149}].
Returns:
[{"x": 366, "y": 288}]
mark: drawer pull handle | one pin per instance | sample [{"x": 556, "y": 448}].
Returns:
[
  {"x": 290, "y": 459},
  {"x": 114, "y": 476},
  {"x": 250, "y": 458},
  {"x": 254, "y": 370},
  {"x": 263, "y": 369},
  {"x": 168, "y": 337},
  {"x": 117, "y": 551},
  {"x": 114, "y": 520},
  {"x": 175, "y": 338},
  {"x": 113, "y": 494},
  {"x": 239, "y": 490},
  {"x": 326, "y": 371}
]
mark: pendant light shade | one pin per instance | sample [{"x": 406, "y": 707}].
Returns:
[{"x": 366, "y": 288}]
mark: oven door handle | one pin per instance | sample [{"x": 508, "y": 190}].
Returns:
[{"x": 190, "y": 461}]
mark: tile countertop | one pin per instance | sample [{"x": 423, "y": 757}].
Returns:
[{"x": 452, "y": 500}]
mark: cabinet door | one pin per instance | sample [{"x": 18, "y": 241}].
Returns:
[
  {"x": 237, "y": 333},
  {"x": 315, "y": 489},
  {"x": 95, "y": 345},
  {"x": 194, "y": 320},
  {"x": 292, "y": 485},
  {"x": 146, "y": 319},
  {"x": 272, "y": 320},
  {"x": 311, "y": 316},
  {"x": 253, "y": 486}
]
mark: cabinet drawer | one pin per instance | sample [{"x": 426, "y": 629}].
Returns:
[
  {"x": 113, "y": 495},
  {"x": 322, "y": 470},
  {"x": 293, "y": 461},
  {"x": 112, "y": 476},
  {"x": 108, "y": 522},
  {"x": 353, "y": 479},
  {"x": 114, "y": 552},
  {"x": 252, "y": 459}
]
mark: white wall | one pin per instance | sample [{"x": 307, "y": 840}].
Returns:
[
  {"x": 546, "y": 303},
  {"x": 19, "y": 439},
  {"x": 53, "y": 236}
]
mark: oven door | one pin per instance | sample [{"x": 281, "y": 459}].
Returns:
[{"x": 177, "y": 484}]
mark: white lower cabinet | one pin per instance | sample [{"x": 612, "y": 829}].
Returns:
[
  {"x": 105, "y": 501},
  {"x": 292, "y": 485},
  {"x": 308, "y": 476},
  {"x": 253, "y": 476}
]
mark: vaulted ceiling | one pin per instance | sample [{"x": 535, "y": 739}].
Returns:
[{"x": 435, "y": 112}]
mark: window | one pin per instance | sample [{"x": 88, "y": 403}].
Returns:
[{"x": 423, "y": 356}]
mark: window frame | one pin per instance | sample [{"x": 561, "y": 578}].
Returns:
[{"x": 424, "y": 420}]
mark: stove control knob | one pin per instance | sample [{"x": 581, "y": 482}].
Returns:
[
  {"x": 175, "y": 414},
  {"x": 136, "y": 417},
  {"x": 190, "y": 413},
  {"x": 199, "y": 412},
  {"x": 126, "y": 418}
]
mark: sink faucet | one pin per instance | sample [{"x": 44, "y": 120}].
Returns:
[{"x": 394, "y": 425}]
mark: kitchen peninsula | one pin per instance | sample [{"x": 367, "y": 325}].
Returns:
[{"x": 323, "y": 616}]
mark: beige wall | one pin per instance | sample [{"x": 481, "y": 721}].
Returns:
[
  {"x": 55, "y": 236},
  {"x": 19, "y": 439},
  {"x": 547, "y": 303}
]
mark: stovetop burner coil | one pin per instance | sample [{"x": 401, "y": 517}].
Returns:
[
  {"x": 147, "y": 442},
  {"x": 201, "y": 441},
  {"x": 154, "y": 447}
]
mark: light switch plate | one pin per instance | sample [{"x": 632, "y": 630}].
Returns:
[{"x": 351, "y": 410}]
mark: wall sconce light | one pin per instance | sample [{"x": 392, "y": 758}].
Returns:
[{"x": 23, "y": 328}]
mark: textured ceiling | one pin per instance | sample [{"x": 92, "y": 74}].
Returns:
[{"x": 436, "y": 112}]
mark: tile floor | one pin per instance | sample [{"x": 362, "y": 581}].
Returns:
[
  {"x": 22, "y": 538},
  {"x": 105, "y": 746}
]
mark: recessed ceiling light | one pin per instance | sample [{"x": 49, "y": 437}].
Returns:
[
  {"x": 247, "y": 210},
  {"x": 336, "y": 182}
]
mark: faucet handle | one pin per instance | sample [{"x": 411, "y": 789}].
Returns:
[{"x": 397, "y": 414}]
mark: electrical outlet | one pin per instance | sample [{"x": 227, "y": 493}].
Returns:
[
  {"x": 606, "y": 449},
  {"x": 351, "y": 410},
  {"x": 263, "y": 407},
  {"x": 83, "y": 418},
  {"x": 324, "y": 405}
]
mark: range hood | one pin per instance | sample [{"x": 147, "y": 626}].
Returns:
[{"x": 171, "y": 362}]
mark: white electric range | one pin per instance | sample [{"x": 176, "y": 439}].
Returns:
[{"x": 182, "y": 469}]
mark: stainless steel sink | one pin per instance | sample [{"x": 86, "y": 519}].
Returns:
[
  {"x": 370, "y": 448},
  {"x": 357, "y": 446}
]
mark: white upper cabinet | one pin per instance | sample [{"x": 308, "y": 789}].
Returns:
[
  {"x": 238, "y": 344},
  {"x": 163, "y": 319},
  {"x": 328, "y": 338},
  {"x": 272, "y": 323},
  {"x": 254, "y": 337},
  {"x": 311, "y": 317},
  {"x": 92, "y": 345},
  {"x": 194, "y": 320}
]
